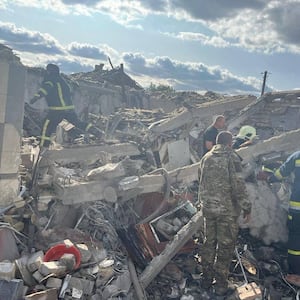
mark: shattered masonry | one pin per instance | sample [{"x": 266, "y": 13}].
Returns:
[{"x": 118, "y": 219}]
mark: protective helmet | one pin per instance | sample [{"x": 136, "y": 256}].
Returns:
[
  {"x": 247, "y": 132},
  {"x": 52, "y": 68}
]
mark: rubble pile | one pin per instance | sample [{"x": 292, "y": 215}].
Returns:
[{"x": 118, "y": 218}]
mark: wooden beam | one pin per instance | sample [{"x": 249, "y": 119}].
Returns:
[{"x": 180, "y": 239}]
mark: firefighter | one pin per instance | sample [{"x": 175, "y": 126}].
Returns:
[
  {"x": 58, "y": 96},
  {"x": 292, "y": 165},
  {"x": 245, "y": 137}
]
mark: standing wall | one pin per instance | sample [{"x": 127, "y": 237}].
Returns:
[{"x": 12, "y": 87}]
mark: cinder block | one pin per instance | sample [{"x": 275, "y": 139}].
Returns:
[{"x": 35, "y": 260}]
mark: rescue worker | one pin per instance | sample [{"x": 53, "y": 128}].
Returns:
[
  {"x": 222, "y": 196},
  {"x": 245, "y": 137},
  {"x": 210, "y": 134},
  {"x": 58, "y": 96},
  {"x": 292, "y": 165}
]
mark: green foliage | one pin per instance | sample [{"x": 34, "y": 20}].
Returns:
[{"x": 160, "y": 88}]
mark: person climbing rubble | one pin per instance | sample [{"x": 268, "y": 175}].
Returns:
[
  {"x": 222, "y": 196},
  {"x": 210, "y": 134},
  {"x": 292, "y": 165},
  {"x": 245, "y": 137},
  {"x": 58, "y": 96}
]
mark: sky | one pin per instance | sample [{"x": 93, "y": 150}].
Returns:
[{"x": 223, "y": 46}]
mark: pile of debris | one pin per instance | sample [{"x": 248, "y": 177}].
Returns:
[{"x": 117, "y": 218}]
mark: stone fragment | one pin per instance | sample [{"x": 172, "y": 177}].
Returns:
[
  {"x": 35, "y": 260},
  {"x": 52, "y": 267}
]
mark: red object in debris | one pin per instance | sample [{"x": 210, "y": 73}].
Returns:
[{"x": 57, "y": 251}]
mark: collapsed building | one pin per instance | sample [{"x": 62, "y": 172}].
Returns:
[{"x": 117, "y": 218}]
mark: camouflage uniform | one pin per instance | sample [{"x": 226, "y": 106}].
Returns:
[{"x": 222, "y": 194}]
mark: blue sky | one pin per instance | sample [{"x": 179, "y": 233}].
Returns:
[{"x": 217, "y": 45}]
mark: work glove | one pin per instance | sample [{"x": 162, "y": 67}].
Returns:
[{"x": 34, "y": 99}]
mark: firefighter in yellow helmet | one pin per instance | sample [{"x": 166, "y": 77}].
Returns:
[{"x": 245, "y": 137}]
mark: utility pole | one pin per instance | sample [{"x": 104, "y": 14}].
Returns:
[{"x": 264, "y": 83}]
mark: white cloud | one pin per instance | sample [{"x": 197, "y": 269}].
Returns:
[
  {"x": 215, "y": 41},
  {"x": 189, "y": 75}
]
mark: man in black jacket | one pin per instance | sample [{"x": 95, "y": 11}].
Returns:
[{"x": 58, "y": 96}]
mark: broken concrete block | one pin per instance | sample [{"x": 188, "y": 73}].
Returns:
[
  {"x": 54, "y": 283},
  {"x": 249, "y": 292},
  {"x": 86, "y": 286},
  {"x": 11, "y": 290},
  {"x": 7, "y": 270},
  {"x": 34, "y": 261},
  {"x": 68, "y": 260},
  {"x": 84, "y": 252},
  {"x": 21, "y": 264},
  {"x": 50, "y": 294},
  {"x": 37, "y": 276},
  {"x": 8, "y": 246},
  {"x": 52, "y": 267}
]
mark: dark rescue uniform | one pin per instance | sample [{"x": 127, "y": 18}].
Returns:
[
  {"x": 58, "y": 96},
  {"x": 292, "y": 165},
  {"x": 210, "y": 135}
]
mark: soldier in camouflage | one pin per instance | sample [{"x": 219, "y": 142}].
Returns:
[{"x": 222, "y": 194}]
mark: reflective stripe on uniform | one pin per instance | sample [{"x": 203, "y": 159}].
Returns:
[
  {"x": 278, "y": 174},
  {"x": 43, "y": 91},
  {"x": 44, "y": 137},
  {"x": 297, "y": 163},
  {"x": 88, "y": 126},
  {"x": 264, "y": 168},
  {"x": 294, "y": 205},
  {"x": 293, "y": 252},
  {"x": 60, "y": 95},
  {"x": 290, "y": 217},
  {"x": 49, "y": 82},
  {"x": 61, "y": 107}
]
